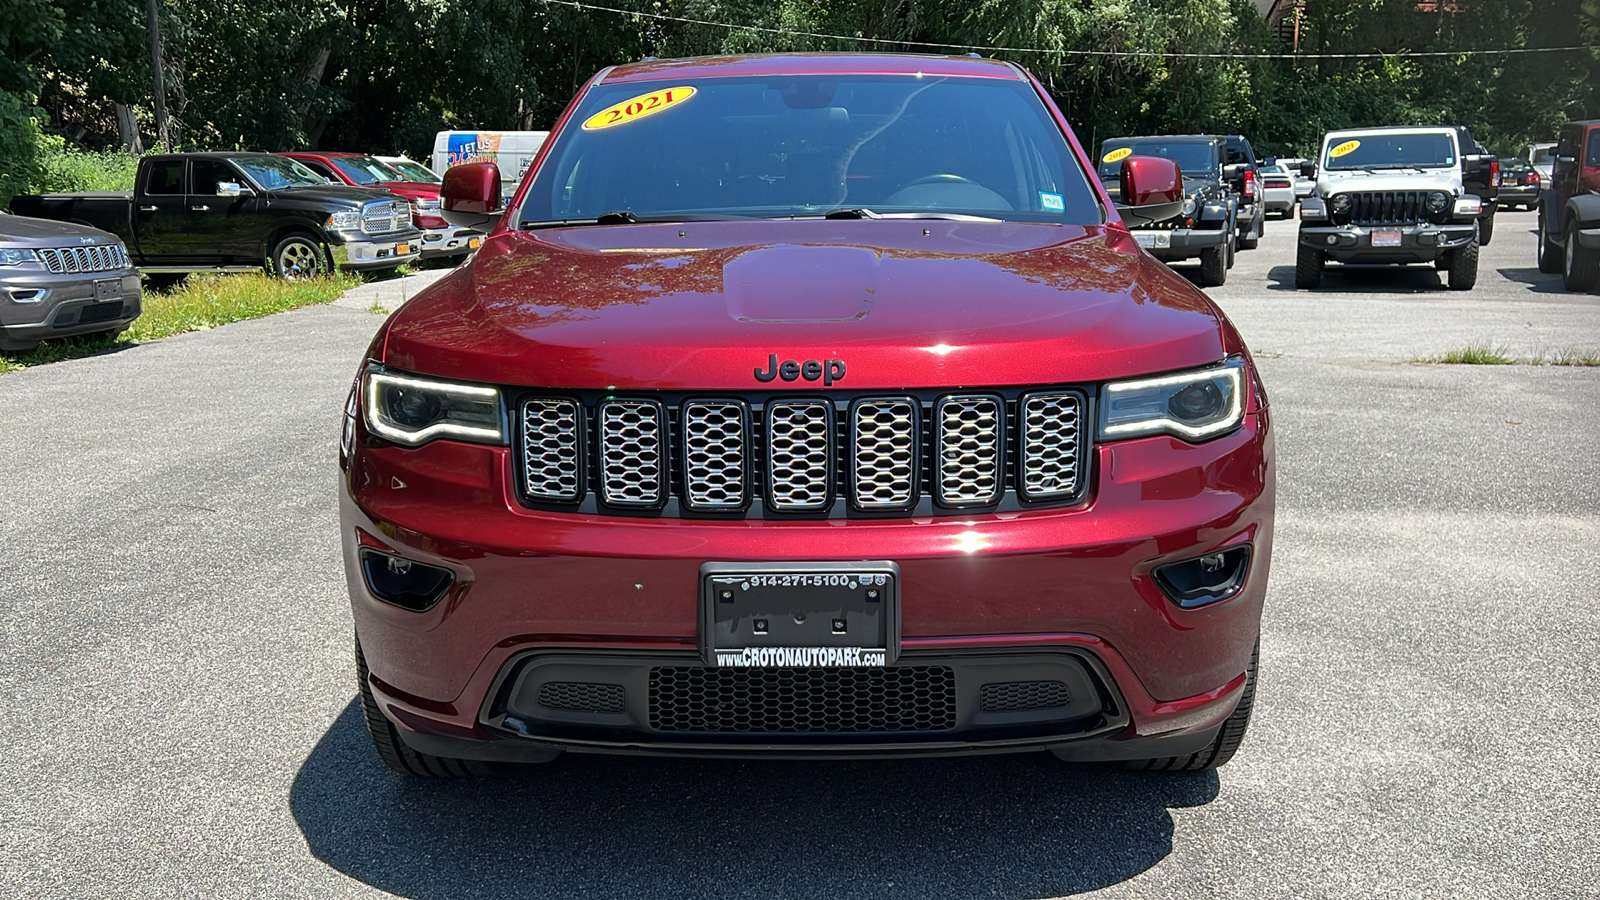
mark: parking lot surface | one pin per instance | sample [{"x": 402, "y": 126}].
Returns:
[{"x": 180, "y": 714}]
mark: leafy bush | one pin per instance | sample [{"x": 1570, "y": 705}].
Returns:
[{"x": 63, "y": 168}]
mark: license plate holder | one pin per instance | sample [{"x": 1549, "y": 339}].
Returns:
[
  {"x": 1386, "y": 239},
  {"x": 110, "y": 289},
  {"x": 788, "y": 615},
  {"x": 1148, "y": 239}
]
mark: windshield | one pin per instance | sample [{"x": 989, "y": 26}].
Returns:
[
  {"x": 807, "y": 145},
  {"x": 364, "y": 169},
  {"x": 412, "y": 170},
  {"x": 1195, "y": 159},
  {"x": 274, "y": 172},
  {"x": 1390, "y": 151}
]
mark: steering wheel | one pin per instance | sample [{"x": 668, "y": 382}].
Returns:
[{"x": 945, "y": 178}]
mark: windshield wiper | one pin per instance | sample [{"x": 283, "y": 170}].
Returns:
[
  {"x": 864, "y": 213},
  {"x": 626, "y": 217}
]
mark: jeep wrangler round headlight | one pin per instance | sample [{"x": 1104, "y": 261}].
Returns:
[
  {"x": 1188, "y": 206},
  {"x": 412, "y": 411},
  {"x": 1438, "y": 202},
  {"x": 1340, "y": 204},
  {"x": 1195, "y": 405}
]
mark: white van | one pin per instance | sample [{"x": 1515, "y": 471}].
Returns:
[{"x": 512, "y": 151}]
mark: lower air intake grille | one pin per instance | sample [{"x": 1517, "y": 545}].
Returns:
[
  {"x": 1013, "y": 695},
  {"x": 100, "y": 312},
  {"x": 579, "y": 697},
  {"x": 826, "y": 701}
]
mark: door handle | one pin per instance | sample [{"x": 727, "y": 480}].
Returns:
[
  {"x": 147, "y": 209},
  {"x": 199, "y": 209}
]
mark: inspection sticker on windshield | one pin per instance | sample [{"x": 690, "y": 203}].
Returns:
[
  {"x": 1344, "y": 149},
  {"x": 1051, "y": 202},
  {"x": 1117, "y": 155},
  {"x": 635, "y": 108}
]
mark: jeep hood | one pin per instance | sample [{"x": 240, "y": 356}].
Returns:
[
  {"x": 903, "y": 303},
  {"x": 1445, "y": 179}
]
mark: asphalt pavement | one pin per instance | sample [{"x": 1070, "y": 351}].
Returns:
[{"x": 179, "y": 699}]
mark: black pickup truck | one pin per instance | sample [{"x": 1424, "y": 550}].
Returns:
[{"x": 198, "y": 212}]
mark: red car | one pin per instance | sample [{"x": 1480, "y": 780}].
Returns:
[
  {"x": 808, "y": 405},
  {"x": 440, "y": 239},
  {"x": 1569, "y": 209}
]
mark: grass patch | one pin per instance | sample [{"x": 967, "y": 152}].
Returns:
[
  {"x": 199, "y": 303},
  {"x": 1488, "y": 355}
]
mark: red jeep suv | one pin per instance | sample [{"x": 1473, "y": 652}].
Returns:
[{"x": 808, "y": 405}]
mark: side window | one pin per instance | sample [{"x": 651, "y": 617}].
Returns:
[
  {"x": 321, "y": 169},
  {"x": 165, "y": 177},
  {"x": 206, "y": 174},
  {"x": 1591, "y": 156},
  {"x": 1236, "y": 153}
]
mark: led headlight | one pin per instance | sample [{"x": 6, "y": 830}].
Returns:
[
  {"x": 1340, "y": 204},
  {"x": 17, "y": 257},
  {"x": 425, "y": 205},
  {"x": 345, "y": 220},
  {"x": 1438, "y": 201},
  {"x": 1188, "y": 206},
  {"x": 1194, "y": 405},
  {"x": 413, "y": 411}
]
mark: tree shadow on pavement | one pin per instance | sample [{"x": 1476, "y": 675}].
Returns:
[{"x": 993, "y": 826}]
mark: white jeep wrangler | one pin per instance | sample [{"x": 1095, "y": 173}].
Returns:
[{"x": 1392, "y": 195}]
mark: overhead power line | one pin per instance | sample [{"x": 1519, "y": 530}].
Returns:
[{"x": 786, "y": 32}]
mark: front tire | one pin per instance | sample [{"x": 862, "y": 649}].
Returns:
[
  {"x": 394, "y": 752},
  {"x": 1308, "y": 264},
  {"x": 1228, "y": 738},
  {"x": 1552, "y": 259},
  {"x": 299, "y": 257},
  {"x": 1214, "y": 266},
  {"x": 1583, "y": 266},
  {"x": 1463, "y": 271}
]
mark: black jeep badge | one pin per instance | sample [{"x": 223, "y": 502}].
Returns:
[{"x": 829, "y": 370}]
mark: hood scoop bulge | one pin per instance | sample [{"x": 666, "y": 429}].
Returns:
[{"x": 801, "y": 284}]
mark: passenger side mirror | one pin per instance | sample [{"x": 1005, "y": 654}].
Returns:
[
  {"x": 232, "y": 189},
  {"x": 1152, "y": 189},
  {"x": 470, "y": 195},
  {"x": 1308, "y": 169}
]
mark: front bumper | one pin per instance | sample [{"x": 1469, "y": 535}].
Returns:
[
  {"x": 66, "y": 304},
  {"x": 361, "y": 253},
  {"x": 1355, "y": 243},
  {"x": 452, "y": 240},
  {"x": 1172, "y": 244},
  {"x": 1020, "y": 585}
]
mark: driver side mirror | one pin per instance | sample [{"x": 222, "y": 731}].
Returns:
[
  {"x": 1152, "y": 189},
  {"x": 470, "y": 195},
  {"x": 233, "y": 189},
  {"x": 1308, "y": 169},
  {"x": 1471, "y": 165}
]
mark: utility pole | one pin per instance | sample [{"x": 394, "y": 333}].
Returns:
[{"x": 158, "y": 85}]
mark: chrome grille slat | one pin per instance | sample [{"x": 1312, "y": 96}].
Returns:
[
  {"x": 884, "y": 437},
  {"x": 1052, "y": 427},
  {"x": 799, "y": 455},
  {"x": 969, "y": 444},
  {"x": 715, "y": 454},
  {"x": 384, "y": 216},
  {"x": 74, "y": 260},
  {"x": 551, "y": 427},
  {"x": 632, "y": 465}
]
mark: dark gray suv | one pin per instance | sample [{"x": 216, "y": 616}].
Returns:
[{"x": 58, "y": 279}]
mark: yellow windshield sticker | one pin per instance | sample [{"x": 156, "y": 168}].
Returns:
[
  {"x": 1344, "y": 149},
  {"x": 636, "y": 108},
  {"x": 1117, "y": 155}
]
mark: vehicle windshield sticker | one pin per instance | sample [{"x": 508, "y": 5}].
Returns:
[
  {"x": 1344, "y": 149},
  {"x": 635, "y": 108},
  {"x": 1052, "y": 202},
  {"x": 1117, "y": 155}
]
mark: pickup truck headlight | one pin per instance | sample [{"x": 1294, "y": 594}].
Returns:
[
  {"x": 1196, "y": 405},
  {"x": 17, "y": 257},
  {"x": 345, "y": 220},
  {"x": 412, "y": 411}
]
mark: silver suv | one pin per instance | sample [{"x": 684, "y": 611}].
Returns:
[
  {"x": 59, "y": 280},
  {"x": 1392, "y": 195}
]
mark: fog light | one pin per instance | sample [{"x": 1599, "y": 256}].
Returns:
[
  {"x": 1333, "y": 239},
  {"x": 404, "y": 582},
  {"x": 1205, "y": 579}
]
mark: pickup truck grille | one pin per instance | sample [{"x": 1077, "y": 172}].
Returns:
[
  {"x": 806, "y": 455},
  {"x": 1388, "y": 207},
  {"x": 98, "y": 258},
  {"x": 385, "y": 216}
]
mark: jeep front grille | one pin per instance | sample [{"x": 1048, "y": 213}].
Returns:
[
  {"x": 1388, "y": 207},
  {"x": 805, "y": 455},
  {"x": 98, "y": 258}
]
